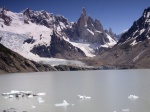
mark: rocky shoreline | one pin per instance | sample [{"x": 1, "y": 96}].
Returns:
[
  {"x": 12, "y": 110},
  {"x": 84, "y": 68}
]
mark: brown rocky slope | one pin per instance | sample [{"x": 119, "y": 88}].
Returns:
[{"x": 11, "y": 62}]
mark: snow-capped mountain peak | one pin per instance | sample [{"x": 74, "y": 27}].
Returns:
[
  {"x": 31, "y": 33},
  {"x": 83, "y": 12},
  {"x": 146, "y": 13},
  {"x": 139, "y": 31}
]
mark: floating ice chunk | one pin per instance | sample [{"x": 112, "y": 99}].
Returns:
[
  {"x": 40, "y": 100},
  {"x": 62, "y": 104},
  {"x": 83, "y": 97},
  {"x": 133, "y": 97},
  {"x": 87, "y": 97},
  {"x": 30, "y": 96},
  {"x": 32, "y": 106},
  {"x": 11, "y": 96},
  {"x": 41, "y": 94},
  {"x": 80, "y": 97},
  {"x": 27, "y": 92},
  {"x": 125, "y": 110},
  {"x": 5, "y": 94},
  {"x": 14, "y": 92}
]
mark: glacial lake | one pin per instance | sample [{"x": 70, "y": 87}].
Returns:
[{"x": 109, "y": 91}]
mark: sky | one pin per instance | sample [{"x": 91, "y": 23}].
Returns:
[{"x": 117, "y": 14}]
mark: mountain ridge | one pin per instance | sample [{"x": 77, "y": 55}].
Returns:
[
  {"x": 132, "y": 49},
  {"x": 37, "y": 27}
]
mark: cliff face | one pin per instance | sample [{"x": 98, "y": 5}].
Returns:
[
  {"x": 89, "y": 30},
  {"x": 11, "y": 62},
  {"x": 133, "y": 48},
  {"x": 58, "y": 48}
]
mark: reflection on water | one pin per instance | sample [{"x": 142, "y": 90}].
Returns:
[{"x": 110, "y": 91}]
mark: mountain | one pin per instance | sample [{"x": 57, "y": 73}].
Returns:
[
  {"x": 139, "y": 31},
  {"x": 88, "y": 30},
  {"x": 13, "y": 62},
  {"x": 133, "y": 49},
  {"x": 39, "y": 34}
]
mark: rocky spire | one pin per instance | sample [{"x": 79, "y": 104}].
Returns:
[
  {"x": 146, "y": 13},
  {"x": 83, "y": 12},
  {"x": 110, "y": 31}
]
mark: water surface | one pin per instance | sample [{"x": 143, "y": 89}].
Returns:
[{"x": 108, "y": 89}]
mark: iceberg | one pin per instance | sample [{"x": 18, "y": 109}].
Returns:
[
  {"x": 11, "y": 96},
  {"x": 41, "y": 94},
  {"x": 62, "y": 104},
  {"x": 40, "y": 100},
  {"x": 125, "y": 110},
  {"x": 28, "y": 94},
  {"x": 32, "y": 106},
  {"x": 133, "y": 97},
  {"x": 83, "y": 97}
]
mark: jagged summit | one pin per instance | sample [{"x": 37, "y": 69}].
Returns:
[
  {"x": 133, "y": 49},
  {"x": 35, "y": 36},
  {"x": 139, "y": 31},
  {"x": 83, "y": 12},
  {"x": 4, "y": 8},
  {"x": 89, "y": 30},
  {"x": 146, "y": 13}
]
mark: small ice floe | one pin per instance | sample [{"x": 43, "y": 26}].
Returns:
[
  {"x": 13, "y": 92},
  {"x": 62, "y": 104},
  {"x": 10, "y": 96},
  {"x": 83, "y": 97},
  {"x": 27, "y": 92},
  {"x": 125, "y": 110},
  {"x": 133, "y": 97},
  {"x": 32, "y": 106},
  {"x": 41, "y": 94},
  {"x": 40, "y": 100},
  {"x": 5, "y": 97},
  {"x": 17, "y": 94},
  {"x": 5, "y": 94},
  {"x": 30, "y": 96}
]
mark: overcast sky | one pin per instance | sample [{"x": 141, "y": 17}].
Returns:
[{"x": 117, "y": 14}]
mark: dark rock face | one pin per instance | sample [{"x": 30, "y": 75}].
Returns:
[
  {"x": 37, "y": 17},
  {"x": 59, "y": 48},
  {"x": 139, "y": 30},
  {"x": 29, "y": 41},
  {"x": 7, "y": 19},
  {"x": 44, "y": 18},
  {"x": 11, "y": 62}
]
